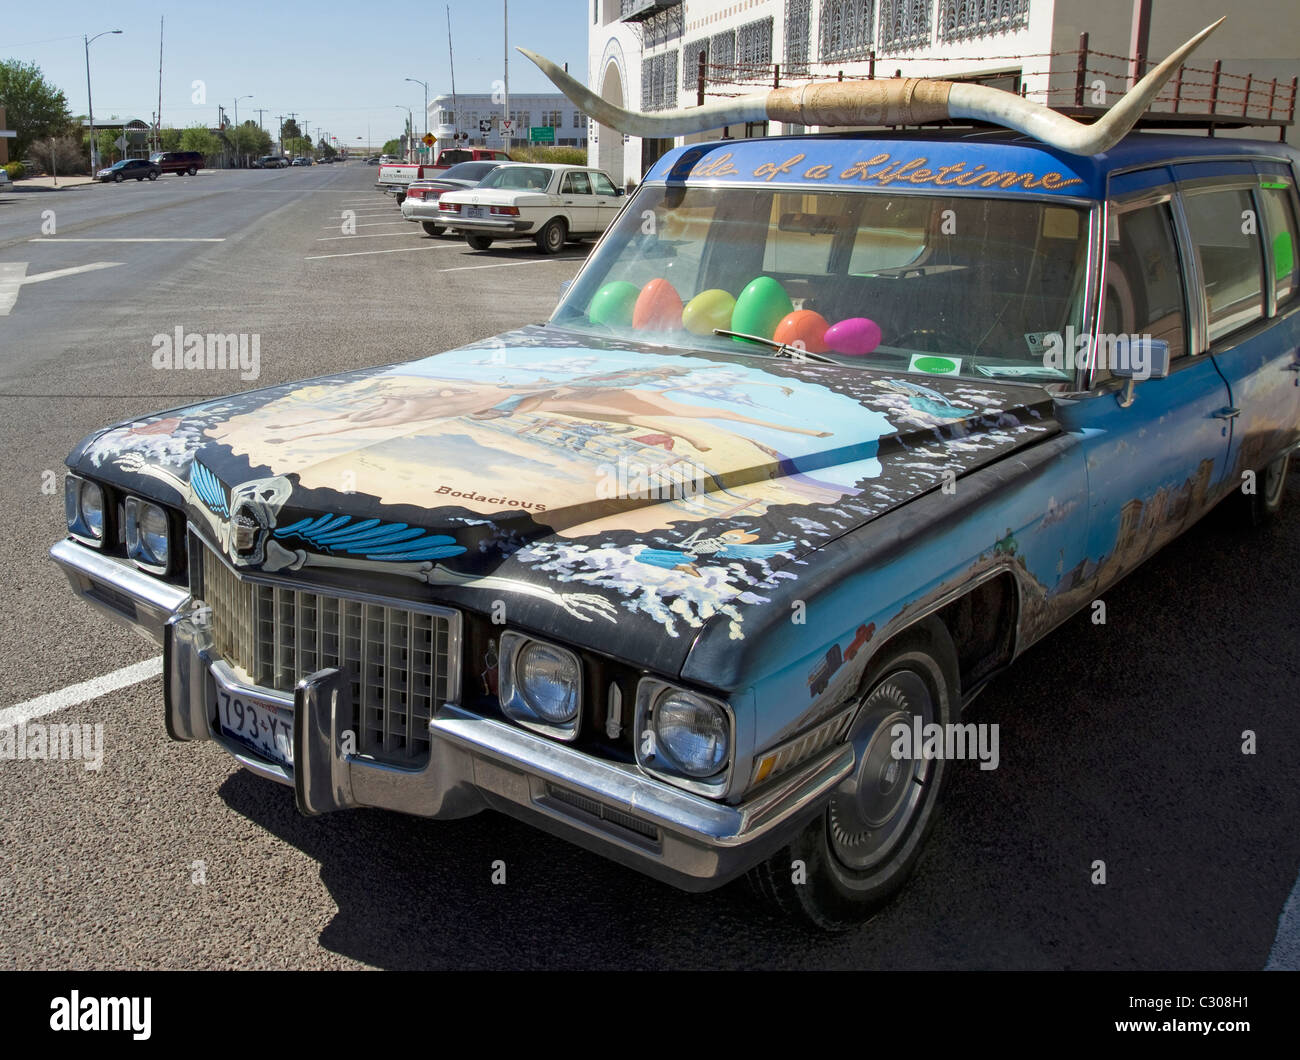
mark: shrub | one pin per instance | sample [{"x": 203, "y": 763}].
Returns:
[
  {"x": 15, "y": 170},
  {"x": 572, "y": 156}
]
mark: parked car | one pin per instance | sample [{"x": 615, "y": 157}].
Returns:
[
  {"x": 5, "y": 182},
  {"x": 549, "y": 204},
  {"x": 272, "y": 162},
  {"x": 128, "y": 168},
  {"x": 421, "y": 201},
  {"x": 301, "y": 161},
  {"x": 373, "y": 160},
  {"x": 187, "y": 162},
  {"x": 395, "y": 177},
  {"x": 598, "y": 564}
]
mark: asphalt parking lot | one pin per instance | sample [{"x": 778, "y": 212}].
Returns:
[{"x": 1120, "y": 743}]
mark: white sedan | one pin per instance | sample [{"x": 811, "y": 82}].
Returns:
[{"x": 549, "y": 204}]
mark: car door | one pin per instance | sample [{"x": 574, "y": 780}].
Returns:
[
  {"x": 1157, "y": 464},
  {"x": 578, "y": 202},
  {"x": 608, "y": 200},
  {"x": 1242, "y": 225}
]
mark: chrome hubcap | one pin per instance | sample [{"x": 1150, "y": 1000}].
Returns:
[{"x": 871, "y": 810}]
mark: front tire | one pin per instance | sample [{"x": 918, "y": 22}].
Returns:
[
  {"x": 859, "y": 851},
  {"x": 117, "y": 178},
  {"x": 431, "y": 228},
  {"x": 550, "y": 240},
  {"x": 479, "y": 242}
]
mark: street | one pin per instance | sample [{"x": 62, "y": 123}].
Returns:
[{"x": 1121, "y": 743}]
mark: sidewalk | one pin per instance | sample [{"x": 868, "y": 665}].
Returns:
[{"x": 49, "y": 183}]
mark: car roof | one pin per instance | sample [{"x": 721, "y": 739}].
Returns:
[{"x": 980, "y": 159}]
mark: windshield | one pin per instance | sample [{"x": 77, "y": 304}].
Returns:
[
  {"x": 531, "y": 178},
  {"x": 926, "y": 283}
]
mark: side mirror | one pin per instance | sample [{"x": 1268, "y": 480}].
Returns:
[
  {"x": 619, "y": 192},
  {"x": 1143, "y": 359}
]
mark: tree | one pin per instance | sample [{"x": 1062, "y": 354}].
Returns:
[
  {"x": 107, "y": 147},
  {"x": 392, "y": 147},
  {"x": 170, "y": 139},
  {"x": 289, "y": 130},
  {"x": 34, "y": 108},
  {"x": 296, "y": 146},
  {"x": 201, "y": 139},
  {"x": 65, "y": 155},
  {"x": 248, "y": 140},
  {"x": 326, "y": 148}
]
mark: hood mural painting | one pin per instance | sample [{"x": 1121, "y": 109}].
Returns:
[{"x": 676, "y": 488}]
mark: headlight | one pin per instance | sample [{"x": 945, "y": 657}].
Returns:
[
  {"x": 541, "y": 685},
  {"x": 83, "y": 504},
  {"x": 684, "y": 736},
  {"x": 692, "y": 732},
  {"x": 148, "y": 535}
]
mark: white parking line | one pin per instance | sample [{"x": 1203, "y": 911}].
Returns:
[
  {"x": 507, "y": 264},
  {"x": 174, "y": 239},
  {"x": 396, "y": 250},
  {"x": 371, "y": 224},
  {"x": 370, "y": 235},
  {"x": 80, "y": 693}
]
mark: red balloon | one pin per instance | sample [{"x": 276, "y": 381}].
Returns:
[
  {"x": 803, "y": 329},
  {"x": 658, "y": 308}
]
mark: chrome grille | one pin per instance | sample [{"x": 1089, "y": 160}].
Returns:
[{"x": 401, "y": 660}]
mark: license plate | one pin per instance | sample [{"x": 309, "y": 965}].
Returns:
[
  {"x": 473, "y": 211},
  {"x": 259, "y": 724}
]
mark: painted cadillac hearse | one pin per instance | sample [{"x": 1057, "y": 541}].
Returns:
[{"x": 825, "y": 433}]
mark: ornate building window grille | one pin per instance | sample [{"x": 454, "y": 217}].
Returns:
[
  {"x": 904, "y": 24},
  {"x": 967, "y": 19},
  {"x": 845, "y": 28},
  {"x": 754, "y": 43},
  {"x": 663, "y": 27},
  {"x": 798, "y": 23},
  {"x": 722, "y": 50},
  {"x": 691, "y": 63},
  {"x": 659, "y": 81}
]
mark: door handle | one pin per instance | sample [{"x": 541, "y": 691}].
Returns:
[{"x": 1227, "y": 413}]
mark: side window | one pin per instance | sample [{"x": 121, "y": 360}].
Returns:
[
  {"x": 1225, "y": 235},
  {"x": 581, "y": 183},
  {"x": 1144, "y": 287},
  {"x": 604, "y": 186},
  {"x": 1283, "y": 238}
]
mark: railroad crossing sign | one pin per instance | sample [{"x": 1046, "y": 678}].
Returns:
[{"x": 428, "y": 139}]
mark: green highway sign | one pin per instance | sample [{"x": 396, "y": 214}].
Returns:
[{"x": 542, "y": 134}]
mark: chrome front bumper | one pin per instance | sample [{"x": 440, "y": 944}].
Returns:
[{"x": 475, "y": 762}]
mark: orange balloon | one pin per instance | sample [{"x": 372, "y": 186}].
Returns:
[
  {"x": 658, "y": 308},
  {"x": 805, "y": 327}
]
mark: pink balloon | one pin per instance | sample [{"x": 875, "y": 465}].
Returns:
[{"x": 855, "y": 337}]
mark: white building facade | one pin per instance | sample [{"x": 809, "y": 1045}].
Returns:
[
  {"x": 478, "y": 120},
  {"x": 646, "y": 54}
]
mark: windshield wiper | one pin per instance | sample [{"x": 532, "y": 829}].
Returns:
[{"x": 780, "y": 348}]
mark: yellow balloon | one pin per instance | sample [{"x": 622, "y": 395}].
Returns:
[{"x": 708, "y": 310}]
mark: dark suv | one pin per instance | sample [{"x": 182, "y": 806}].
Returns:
[{"x": 189, "y": 162}]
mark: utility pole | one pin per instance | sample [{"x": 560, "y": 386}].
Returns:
[
  {"x": 157, "y": 125},
  {"x": 505, "y": 136},
  {"x": 259, "y": 116}
]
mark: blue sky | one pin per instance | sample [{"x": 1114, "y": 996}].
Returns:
[{"x": 338, "y": 65}]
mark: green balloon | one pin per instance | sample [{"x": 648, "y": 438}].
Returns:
[
  {"x": 760, "y": 308},
  {"x": 613, "y": 304}
]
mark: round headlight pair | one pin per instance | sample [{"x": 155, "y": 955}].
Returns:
[
  {"x": 541, "y": 685},
  {"x": 692, "y": 732},
  {"x": 83, "y": 503},
  {"x": 148, "y": 534}
]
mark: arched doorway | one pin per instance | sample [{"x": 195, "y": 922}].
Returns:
[{"x": 610, "y": 149}]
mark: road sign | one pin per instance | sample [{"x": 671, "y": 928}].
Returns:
[
  {"x": 542, "y": 134},
  {"x": 507, "y": 126},
  {"x": 484, "y": 126},
  {"x": 428, "y": 139},
  {"x": 120, "y": 142}
]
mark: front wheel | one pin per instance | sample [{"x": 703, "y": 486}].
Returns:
[
  {"x": 550, "y": 240},
  {"x": 479, "y": 242},
  {"x": 431, "y": 228},
  {"x": 117, "y": 178},
  {"x": 859, "y": 851}
]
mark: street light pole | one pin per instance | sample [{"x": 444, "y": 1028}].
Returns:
[
  {"x": 426, "y": 101},
  {"x": 90, "y": 105},
  {"x": 237, "y": 99}
]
